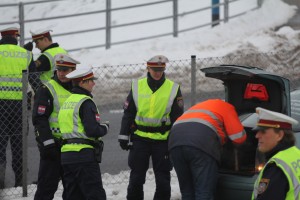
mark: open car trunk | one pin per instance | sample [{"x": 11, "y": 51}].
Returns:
[{"x": 247, "y": 88}]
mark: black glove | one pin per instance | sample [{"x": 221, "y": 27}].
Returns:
[
  {"x": 124, "y": 144},
  {"x": 50, "y": 152},
  {"x": 28, "y": 46}
]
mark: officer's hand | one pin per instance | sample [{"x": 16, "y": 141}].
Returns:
[
  {"x": 28, "y": 46},
  {"x": 50, "y": 152},
  {"x": 124, "y": 144},
  {"x": 105, "y": 124}
]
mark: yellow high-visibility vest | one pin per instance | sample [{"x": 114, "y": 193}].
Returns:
[
  {"x": 70, "y": 123},
  {"x": 289, "y": 162},
  {"x": 59, "y": 95},
  {"x": 13, "y": 60},
  {"x": 50, "y": 54},
  {"x": 153, "y": 108}
]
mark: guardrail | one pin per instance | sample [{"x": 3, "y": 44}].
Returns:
[{"x": 109, "y": 11}]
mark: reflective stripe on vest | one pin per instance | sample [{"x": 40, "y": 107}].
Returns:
[
  {"x": 202, "y": 121},
  {"x": 13, "y": 60},
  {"x": 70, "y": 123},
  {"x": 153, "y": 109},
  {"x": 59, "y": 95},
  {"x": 289, "y": 162},
  {"x": 50, "y": 54}
]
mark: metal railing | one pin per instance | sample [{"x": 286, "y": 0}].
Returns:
[{"x": 109, "y": 26}]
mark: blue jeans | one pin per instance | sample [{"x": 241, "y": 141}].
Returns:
[{"x": 197, "y": 172}]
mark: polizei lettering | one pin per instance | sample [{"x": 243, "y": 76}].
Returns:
[
  {"x": 14, "y": 54},
  {"x": 296, "y": 165},
  {"x": 68, "y": 105}
]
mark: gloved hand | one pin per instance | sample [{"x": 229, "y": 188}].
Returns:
[
  {"x": 124, "y": 144},
  {"x": 105, "y": 124},
  {"x": 49, "y": 152},
  {"x": 28, "y": 46}
]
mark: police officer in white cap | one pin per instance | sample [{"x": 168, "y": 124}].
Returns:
[
  {"x": 152, "y": 106},
  {"x": 13, "y": 60},
  {"x": 45, "y": 62},
  {"x": 48, "y": 100},
  {"x": 280, "y": 177},
  {"x": 79, "y": 122}
]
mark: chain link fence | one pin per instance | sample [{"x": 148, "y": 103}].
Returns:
[{"x": 110, "y": 92}]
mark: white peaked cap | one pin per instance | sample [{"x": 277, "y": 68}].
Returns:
[
  {"x": 65, "y": 60},
  {"x": 271, "y": 119},
  {"x": 12, "y": 29},
  {"x": 82, "y": 73},
  {"x": 38, "y": 34},
  {"x": 157, "y": 61}
]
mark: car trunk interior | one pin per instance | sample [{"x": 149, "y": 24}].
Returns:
[
  {"x": 246, "y": 91},
  {"x": 242, "y": 159}
]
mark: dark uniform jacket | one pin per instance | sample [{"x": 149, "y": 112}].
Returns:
[
  {"x": 92, "y": 128},
  {"x": 43, "y": 99},
  {"x": 130, "y": 108},
  {"x": 278, "y": 184}
]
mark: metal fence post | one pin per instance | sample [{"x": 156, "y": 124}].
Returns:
[
  {"x": 175, "y": 18},
  {"x": 215, "y": 13},
  {"x": 108, "y": 24},
  {"x": 193, "y": 80},
  {"x": 259, "y": 3},
  {"x": 24, "y": 131},
  {"x": 21, "y": 22},
  {"x": 226, "y": 10}
]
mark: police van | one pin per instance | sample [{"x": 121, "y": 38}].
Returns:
[{"x": 247, "y": 88}]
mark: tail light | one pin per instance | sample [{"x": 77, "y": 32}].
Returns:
[{"x": 259, "y": 161}]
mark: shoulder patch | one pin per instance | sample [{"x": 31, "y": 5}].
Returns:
[
  {"x": 180, "y": 101},
  {"x": 97, "y": 116},
  {"x": 41, "y": 109},
  {"x": 126, "y": 104},
  {"x": 263, "y": 185}
]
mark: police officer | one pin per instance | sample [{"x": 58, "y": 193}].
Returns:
[
  {"x": 48, "y": 100},
  {"x": 195, "y": 145},
  {"x": 280, "y": 177},
  {"x": 79, "y": 121},
  {"x": 13, "y": 60},
  {"x": 152, "y": 106},
  {"x": 45, "y": 62}
]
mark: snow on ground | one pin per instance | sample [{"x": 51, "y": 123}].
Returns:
[{"x": 253, "y": 32}]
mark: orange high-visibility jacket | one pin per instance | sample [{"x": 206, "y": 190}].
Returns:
[{"x": 219, "y": 116}]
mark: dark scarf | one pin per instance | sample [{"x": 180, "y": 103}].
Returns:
[{"x": 155, "y": 84}]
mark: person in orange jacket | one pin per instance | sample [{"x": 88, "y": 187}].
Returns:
[{"x": 195, "y": 144}]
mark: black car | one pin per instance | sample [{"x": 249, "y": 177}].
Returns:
[{"x": 247, "y": 88}]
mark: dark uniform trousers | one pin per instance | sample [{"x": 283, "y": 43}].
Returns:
[
  {"x": 83, "y": 181},
  {"x": 11, "y": 129},
  {"x": 138, "y": 161},
  {"x": 50, "y": 173}
]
